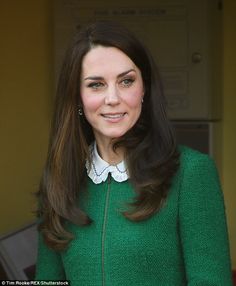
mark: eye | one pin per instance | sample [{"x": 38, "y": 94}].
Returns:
[
  {"x": 95, "y": 85},
  {"x": 127, "y": 82}
]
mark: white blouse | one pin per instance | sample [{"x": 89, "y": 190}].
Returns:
[{"x": 99, "y": 169}]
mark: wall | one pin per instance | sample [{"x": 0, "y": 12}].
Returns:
[
  {"x": 229, "y": 121},
  {"x": 25, "y": 102}
]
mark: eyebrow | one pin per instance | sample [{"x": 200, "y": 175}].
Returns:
[{"x": 101, "y": 78}]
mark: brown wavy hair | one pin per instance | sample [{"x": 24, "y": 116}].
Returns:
[{"x": 150, "y": 148}]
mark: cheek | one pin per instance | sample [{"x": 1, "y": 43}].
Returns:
[
  {"x": 134, "y": 100},
  {"x": 134, "y": 97},
  {"x": 91, "y": 103}
]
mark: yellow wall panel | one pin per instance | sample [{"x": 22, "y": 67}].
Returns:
[
  {"x": 25, "y": 102},
  {"x": 229, "y": 121}
]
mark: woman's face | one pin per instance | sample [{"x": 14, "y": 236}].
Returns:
[{"x": 111, "y": 91}]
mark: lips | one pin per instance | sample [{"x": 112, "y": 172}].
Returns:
[{"x": 113, "y": 115}]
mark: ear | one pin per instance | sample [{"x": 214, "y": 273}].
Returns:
[
  {"x": 143, "y": 89},
  {"x": 143, "y": 92}
]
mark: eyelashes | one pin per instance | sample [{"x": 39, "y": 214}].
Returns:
[
  {"x": 127, "y": 82},
  {"x": 97, "y": 85}
]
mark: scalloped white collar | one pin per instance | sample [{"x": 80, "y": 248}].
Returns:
[{"x": 99, "y": 169}]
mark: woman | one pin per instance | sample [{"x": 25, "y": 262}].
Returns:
[{"x": 120, "y": 203}]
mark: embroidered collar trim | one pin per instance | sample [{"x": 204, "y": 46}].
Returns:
[{"x": 99, "y": 169}]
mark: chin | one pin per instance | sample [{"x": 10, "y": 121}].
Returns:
[{"x": 116, "y": 135}]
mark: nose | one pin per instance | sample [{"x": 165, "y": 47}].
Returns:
[{"x": 112, "y": 96}]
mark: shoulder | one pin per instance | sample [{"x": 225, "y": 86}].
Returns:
[
  {"x": 197, "y": 173},
  {"x": 187, "y": 153},
  {"x": 193, "y": 159},
  {"x": 197, "y": 170}
]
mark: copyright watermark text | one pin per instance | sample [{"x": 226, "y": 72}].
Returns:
[{"x": 35, "y": 282}]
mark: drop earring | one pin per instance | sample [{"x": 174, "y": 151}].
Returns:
[{"x": 80, "y": 111}]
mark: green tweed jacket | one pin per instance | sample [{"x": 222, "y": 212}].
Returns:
[{"x": 185, "y": 243}]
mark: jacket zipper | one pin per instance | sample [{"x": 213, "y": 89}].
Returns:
[{"x": 104, "y": 227}]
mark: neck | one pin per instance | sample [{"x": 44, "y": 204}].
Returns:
[{"x": 107, "y": 153}]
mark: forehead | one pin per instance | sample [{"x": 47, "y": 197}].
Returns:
[{"x": 106, "y": 60}]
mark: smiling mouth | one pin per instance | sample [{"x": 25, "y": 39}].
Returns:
[{"x": 114, "y": 116}]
